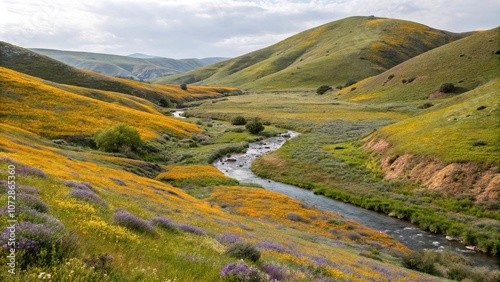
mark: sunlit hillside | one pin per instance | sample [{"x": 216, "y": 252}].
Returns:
[
  {"x": 85, "y": 200},
  {"x": 467, "y": 63},
  {"x": 333, "y": 54},
  {"x": 53, "y": 110},
  {"x": 29, "y": 62}
]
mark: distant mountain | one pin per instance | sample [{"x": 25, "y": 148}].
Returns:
[
  {"x": 335, "y": 53},
  {"x": 141, "y": 56},
  {"x": 137, "y": 66}
]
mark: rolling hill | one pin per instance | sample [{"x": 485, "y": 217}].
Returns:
[
  {"x": 467, "y": 63},
  {"x": 31, "y": 63},
  {"x": 137, "y": 67},
  {"x": 345, "y": 50}
]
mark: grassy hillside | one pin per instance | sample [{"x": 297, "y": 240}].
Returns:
[
  {"x": 467, "y": 63},
  {"x": 450, "y": 130},
  {"x": 55, "y": 110},
  {"x": 126, "y": 66},
  {"x": 332, "y": 54},
  {"x": 91, "y": 220},
  {"x": 29, "y": 62}
]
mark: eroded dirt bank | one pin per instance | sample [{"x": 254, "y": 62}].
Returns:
[{"x": 468, "y": 178}]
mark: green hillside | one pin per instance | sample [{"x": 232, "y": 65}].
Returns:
[
  {"x": 467, "y": 63},
  {"x": 333, "y": 54},
  {"x": 126, "y": 66},
  {"x": 31, "y": 63}
]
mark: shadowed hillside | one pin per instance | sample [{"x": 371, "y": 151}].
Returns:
[{"x": 335, "y": 53}]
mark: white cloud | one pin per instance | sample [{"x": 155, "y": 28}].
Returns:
[{"x": 201, "y": 28}]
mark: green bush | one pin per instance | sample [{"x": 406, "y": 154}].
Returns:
[
  {"x": 242, "y": 250},
  {"x": 184, "y": 86},
  {"x": 447, "y": 87},
  {"x": 255, "y": 126},
  {"x": 118, "y": 138},
  {"x": 239, "y": 120},
  {"x": 322, "y": 89},
  {"x": 349, "y": 83}
]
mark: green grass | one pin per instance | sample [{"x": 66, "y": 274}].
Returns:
[
  {"x": 448, "y": 131},
  {"x": 467, "y": 63},
  {"x": 330, "y": 54}
]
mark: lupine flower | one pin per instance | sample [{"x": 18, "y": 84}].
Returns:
[
  {"x": 27, "y": 200},
  {"x": 79, "y": 185},
  {"x": 27, "y": 170},
  {"x": 228, "y": 238},
  {"x": 190, "y": 229},
  {"x": 163, "y": 222},
  {"x": 33, "y": 236},
  {"x": 87, "y": 195},
  {"x": 130, "y": 221},
  {"x": 239, "y": 271}
]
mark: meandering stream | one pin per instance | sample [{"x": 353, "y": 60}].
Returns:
[{"x": 408, "y": 234}]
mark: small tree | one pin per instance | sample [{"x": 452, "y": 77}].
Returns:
[
  {"x": 118, "y": 138},
  {"x": 447, "y": 87},
  {"x": 322, "y": 89},
  {"x": 254, "y": 127},
  {"x": 184, "y": 86}
]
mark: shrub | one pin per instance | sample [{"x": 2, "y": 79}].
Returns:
[
  {"x": 239, "y": 120},
  {"x": 349, "y": 83},
  {"x": 130, "y": 221},
  {"x": 426, "y": 105},
  {"x": 242, "y": 250},
  {"x": 240, "y": 272},
  {"x": 323, "y": 89},
  {"x": 118, "y": 138},
  {"x": 447, "y": 87},
  {"x": 479, "y": 143},
  {"x": 421, "y": 261},
  {"x": 184, "y": 86},
  {"x": 255, "y": 126},
  {"x": 391, "y": 76}
]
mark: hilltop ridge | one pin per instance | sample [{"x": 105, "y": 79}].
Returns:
[{"x": 335, "y": 53}]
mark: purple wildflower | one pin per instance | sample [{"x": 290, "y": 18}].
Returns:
[
  {"x": 190, "y": 229},
  {"x": 239, "y": 271},
  {"x": 88, "y": 196},
  {"x": 130, "y": 221},
  {"x": 27, "y": 200},
  {"x": 274, "y": 247},
  {"x": 228, "y": 238},
  {"x": 33, "y": 236},
  {"x": 275, "y": 272},
  {"x": 79, "y": 185},
  {"x": 163, "y": 222},
  {"x": 27, "y": 170}
]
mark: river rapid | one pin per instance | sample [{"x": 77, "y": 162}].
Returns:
[{"x": 412, "y": 236}]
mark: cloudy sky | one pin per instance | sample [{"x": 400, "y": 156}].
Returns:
[{"x": 208, "y": 28}]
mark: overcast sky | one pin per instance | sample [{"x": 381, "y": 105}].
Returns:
[{"x": 209, "y": 28}]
